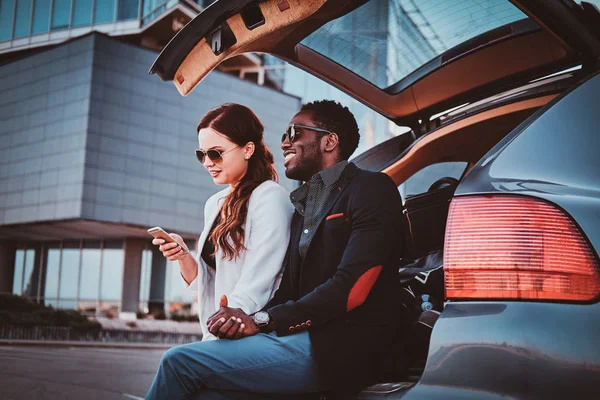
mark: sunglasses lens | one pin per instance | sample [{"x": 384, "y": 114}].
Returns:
[
  {"x": 213, "y": 155},
  {"x": 290, "y": 134},
  {"x": 200, "y": 156}
]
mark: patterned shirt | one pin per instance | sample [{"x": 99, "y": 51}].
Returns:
[{"x": 310, "y": 201}]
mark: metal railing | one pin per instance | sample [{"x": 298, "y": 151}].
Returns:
[{"x": 8, "y": 332}]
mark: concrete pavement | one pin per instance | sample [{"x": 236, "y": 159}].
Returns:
[
  {"x": 101, "y": 345},
  {"x": 66, "y": 373}
]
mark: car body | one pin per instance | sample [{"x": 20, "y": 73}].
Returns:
[{"x": 522, "y": 234}]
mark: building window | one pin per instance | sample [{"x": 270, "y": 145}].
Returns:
[
  {"x": 7, "y": 8},
  {"x": 41, "y": 17},
  {"x": 52, "y": 275},
  {"x": 19, "y": 265},
  {"x": 175, "y": 291},
  {"x": 29, "y": 286},
  {"x": 128, "y": 9},
  {"x": 23, "y": 18},
  {"x": 89, "y": 283},
  {"x": 26, "y": 280},
  {"x": 104, "y": 11},
  {"x": 111, "y": 280},
  {"x": 153, "y": 8},
  {"x": 146, "y": 276},
  {"x": 177, "y": 296},
  {"x": 82, "y": 13},
  {"x": 87, "y": 276},
  {"x": 61, "y": 13},
  {"x": 151, "y": 5},
  {"x": 69, "y": 276}
]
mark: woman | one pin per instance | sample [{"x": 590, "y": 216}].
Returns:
[{"x": 246, "y": 225}]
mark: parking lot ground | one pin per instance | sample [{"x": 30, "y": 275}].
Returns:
[{"x": 76, "y": 372}]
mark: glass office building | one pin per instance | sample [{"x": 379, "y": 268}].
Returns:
[
  {"x": 93, "y": 151},
  {"x": 23, "y": 18}
]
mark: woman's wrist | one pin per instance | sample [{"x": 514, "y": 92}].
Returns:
[
  {"x": 188, "y": 258},
  {"x": 188, "y": 267}
]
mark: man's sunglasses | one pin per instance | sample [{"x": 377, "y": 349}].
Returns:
[
  {"x": 294, "y": 130},
  {"x": 212, "y": 154}
]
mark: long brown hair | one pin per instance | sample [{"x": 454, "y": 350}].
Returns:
[{"x": 241, "y": 126}]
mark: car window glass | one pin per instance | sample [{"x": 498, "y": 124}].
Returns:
[
  {"x": 421, "y": 181},
  {"x": 384, "y": 41},
  {"x": 595, "y": 2}
]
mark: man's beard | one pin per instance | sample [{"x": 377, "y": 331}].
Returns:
[{"x": 310, "y": 163}]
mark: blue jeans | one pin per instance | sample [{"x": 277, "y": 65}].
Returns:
[{"x": 249, "y": 368}]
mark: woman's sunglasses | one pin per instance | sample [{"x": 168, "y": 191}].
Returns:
[
  {"x": 212, "y": 154},
  {"x": 294, "y": 130}
]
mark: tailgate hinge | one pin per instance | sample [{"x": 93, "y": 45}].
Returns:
[{"x": 221, "y": 38}]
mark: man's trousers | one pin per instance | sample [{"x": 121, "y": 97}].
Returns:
[{"x": 255, "y": 367}]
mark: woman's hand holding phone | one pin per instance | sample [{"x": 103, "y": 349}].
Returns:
[
  {"x": 173, "y": 251},
  {"x": 174, "y": 248}
]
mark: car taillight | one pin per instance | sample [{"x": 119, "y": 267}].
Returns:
[{"x": 509, "y": 247}]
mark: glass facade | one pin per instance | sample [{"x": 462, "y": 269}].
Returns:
[
  {"x": 83, "y": 275},
  {"x": 82, "y": 13},
  {"x": 41, "y": 17},
  {"x": 146, "y": 276},
  {"x": 383, "y": 41},
  {"x": 88, "y": 276},
  {"x": 61, "y": 13},
  {"x": 111, "y": 278},
  {"x": 7, "y": 8},
  {"x": 104, "y": 12},
  {"x": 128, "y": 9},
  {"x": 152, "y": 9},
  {"x": 22, "y": 18}
]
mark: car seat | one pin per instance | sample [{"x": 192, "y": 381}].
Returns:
[{"x": 427, "y": 214}]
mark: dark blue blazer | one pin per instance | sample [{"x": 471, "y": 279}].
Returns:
[{"x": 346, "y": 292}]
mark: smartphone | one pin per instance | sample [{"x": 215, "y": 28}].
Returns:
[{"x": 160, "y": 233}]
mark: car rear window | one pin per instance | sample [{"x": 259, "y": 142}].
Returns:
[
  {"x": 383, "y": 41},
  {"x": 421, "y": 181}
]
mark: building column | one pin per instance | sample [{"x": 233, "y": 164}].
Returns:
[
  {"x": 132, "y": 271},
  {"x": 158, "y": 281},
  {"x": 8, "y": 251}
]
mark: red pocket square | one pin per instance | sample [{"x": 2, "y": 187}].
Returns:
[{"x": 332, "y": 216}]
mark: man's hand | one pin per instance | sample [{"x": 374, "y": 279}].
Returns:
[{"x": 231, "y": 323}]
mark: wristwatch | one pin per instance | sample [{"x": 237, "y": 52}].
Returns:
[{"x": 262, "y": 320}]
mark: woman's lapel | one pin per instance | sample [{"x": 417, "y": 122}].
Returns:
[{"x": 210, "y": 219}]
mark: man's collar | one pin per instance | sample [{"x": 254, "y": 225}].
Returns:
[
  {"x": 299, "y": 194},
  {"x": 332, "y": 174},
  {"x": 329, "y": 176}
]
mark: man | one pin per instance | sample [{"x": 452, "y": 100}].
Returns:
[{"x": 337, "y": 312}]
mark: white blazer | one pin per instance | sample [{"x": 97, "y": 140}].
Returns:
[{"x": 250, "y": 280}]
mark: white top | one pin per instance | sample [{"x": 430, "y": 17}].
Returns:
[{"x": 250, "y": 280}]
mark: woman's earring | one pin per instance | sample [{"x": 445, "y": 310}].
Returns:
[{"x": 246, "y": 157}]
